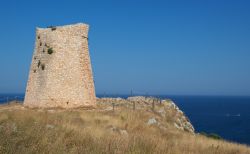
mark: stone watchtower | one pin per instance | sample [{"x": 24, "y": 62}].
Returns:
[{"x": 60, "y": 74}]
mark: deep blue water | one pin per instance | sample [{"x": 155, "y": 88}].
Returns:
[
  {"x": 226, "y": 116},
  {"x": 9, "y": 97}
]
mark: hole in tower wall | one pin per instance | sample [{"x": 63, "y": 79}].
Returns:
[
  {"x": 67, "y": 103},
  {"x": 39, "y": 63},
  {"x": 43, "y": 66}
]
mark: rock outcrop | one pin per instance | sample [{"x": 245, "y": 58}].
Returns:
[{"x": 165, "y": 108}]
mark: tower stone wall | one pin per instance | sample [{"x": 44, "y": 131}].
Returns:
[{"x": 60, "y": 73}]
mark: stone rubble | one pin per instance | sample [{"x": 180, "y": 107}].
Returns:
[
  {"x": 152, "y": 121},
  {"x": 48, "y": 126}
]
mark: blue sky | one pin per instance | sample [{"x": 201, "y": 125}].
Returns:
[{"x": 155, "y": 47}]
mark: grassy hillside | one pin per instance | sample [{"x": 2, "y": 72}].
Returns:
[{"x": 101, "y": 130}]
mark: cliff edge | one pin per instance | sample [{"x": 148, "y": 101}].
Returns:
[{"x": 165, "y": 110}]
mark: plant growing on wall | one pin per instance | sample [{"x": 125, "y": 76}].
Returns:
[
  {"x": 52, "y": 28},
  {"x": 50, "y": 51},
  {"x": 85, "y": 37}
]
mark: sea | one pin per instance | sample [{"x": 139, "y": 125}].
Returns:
[{"x": 227, "y": 116}]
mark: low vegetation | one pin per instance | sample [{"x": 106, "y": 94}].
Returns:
[
  {"x": 52, "y": 27},
  {"x": 212, "y": 135},
  {"x": 50, "y": 51},
  {"x": 100, "y": 130}
]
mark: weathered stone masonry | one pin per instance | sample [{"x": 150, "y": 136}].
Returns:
[{"x": 60, "y": 74}]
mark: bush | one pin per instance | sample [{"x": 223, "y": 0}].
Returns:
[
  {"x": 211, "y": 135},
  {"x": 52, "y": 28},
  {"x": 50, "y": 51},
  {"x": 215, "y": 136}
]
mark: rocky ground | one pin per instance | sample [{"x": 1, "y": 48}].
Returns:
[{"x": 164, "y": 109}]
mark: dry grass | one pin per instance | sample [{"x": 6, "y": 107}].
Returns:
[{"x": 94, "y": 131}]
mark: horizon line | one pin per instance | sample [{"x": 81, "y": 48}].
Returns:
[{"x": 156, "y": 95}]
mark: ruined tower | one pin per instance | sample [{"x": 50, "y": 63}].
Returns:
[{"x": 60, "y": 73}]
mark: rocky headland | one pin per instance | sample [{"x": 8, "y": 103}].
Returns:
[{"x": 164, "y": 109}]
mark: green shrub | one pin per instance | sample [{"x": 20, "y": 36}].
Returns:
[
  {"x": 52, "y": 28},
  {"x": 215, "y": 136},
  {"x": 50, "y": 51},
  {"x": 211, "y": 135}
]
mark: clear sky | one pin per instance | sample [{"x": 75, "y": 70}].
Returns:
[{"x": 159, "y": 47}]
